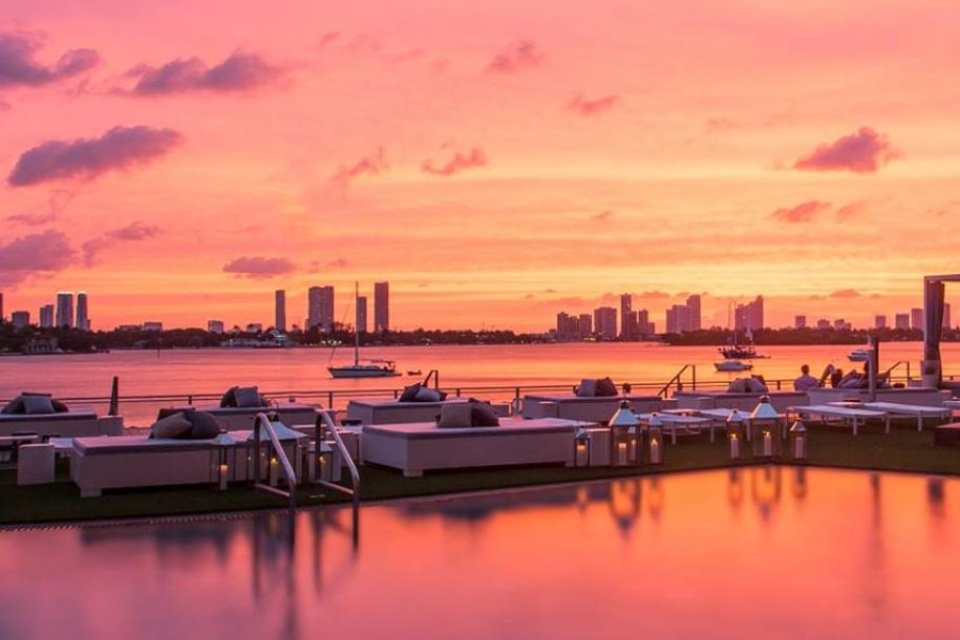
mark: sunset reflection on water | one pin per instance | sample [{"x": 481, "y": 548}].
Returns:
[{"x": 772, "y": 551}]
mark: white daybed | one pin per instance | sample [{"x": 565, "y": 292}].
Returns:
[
  {"x": 592, "y": 408},
  {"x": 417, "y": 447},
  {"x": 389, "y": 411},
  {"x": 740, "y": 400},
  {"x": 72, "y": 423},
  {"x": 243, "y": 417}
]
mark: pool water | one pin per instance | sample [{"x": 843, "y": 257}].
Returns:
[{"x": 773, "y": 552}]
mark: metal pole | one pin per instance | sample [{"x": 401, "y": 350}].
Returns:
[{"x": 114, "y": 397}]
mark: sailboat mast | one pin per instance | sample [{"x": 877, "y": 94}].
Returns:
[{"x": 356, "y": 324}]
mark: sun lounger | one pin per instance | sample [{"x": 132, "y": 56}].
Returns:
[
  {"x": 853, "y": 415},
  {"x": 243, "y": 417},
  {"x": 917, "y": 410},
  {"x": 390, "y": 411},
  {"x": 591, "y": 409},
  {"x": 417, "y": 447},
  {"x": 742, "y": 401},
  {"x": 674, "y": 422}
]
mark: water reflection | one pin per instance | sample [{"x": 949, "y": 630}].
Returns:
[{"x": 848, "y": 555}]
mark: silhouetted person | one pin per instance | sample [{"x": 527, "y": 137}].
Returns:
[{"x": 805, "y": 381}]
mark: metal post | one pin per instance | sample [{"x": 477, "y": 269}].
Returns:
[{"x": 114, "y": 397}]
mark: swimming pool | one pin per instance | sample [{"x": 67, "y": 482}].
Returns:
[{"x": 777, "y": 552}]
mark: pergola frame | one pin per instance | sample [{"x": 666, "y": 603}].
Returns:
[{"x": 931, "y": 369}]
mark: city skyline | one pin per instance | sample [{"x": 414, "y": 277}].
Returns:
[{"x": 514, "y": 162}]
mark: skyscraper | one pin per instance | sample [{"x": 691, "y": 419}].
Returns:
[
  {"x": 916, "y": 319},
  {"x": 605, "y": 321},
  {"x": 320, "y": 308},
  {"x": 362, "y": 314},
  {"x": 46, "y": 316},
  {"x": 748, "y": 317},
  {"x": 83, "y": 314},
  {"x": 628, "y": 328},
  {"x": 64, "y": 310},
  {"x": 381, "y": 306},
  {"x": 280, "y": 321},
  {"x": 20, "y": 319},
  {"x": 694, "y": 303}
]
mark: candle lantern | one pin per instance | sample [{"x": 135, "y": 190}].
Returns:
[
  {"x": 655, "y": 439},
  {"x": 765, "y": 426},
  {"x": 735, "y": 433},
  {"x": 625, "y": 438},
  {"x": 798, "y": 441},
  {"x": 581, "y": 448},
  {"x": 223, "y": 444}
]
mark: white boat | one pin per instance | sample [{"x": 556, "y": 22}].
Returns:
[
  {"x": 732, "y": 365},
  {"x": 859, "y": 355},
  {"x": 373, "y": 368}
]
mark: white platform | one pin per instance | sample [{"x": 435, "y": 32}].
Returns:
[
  {"x": 243, "y": 418},
  {"x": 592, "y": 409},
  {"x": 390, "y": 411},
  {"x": 74, "y": 423}
]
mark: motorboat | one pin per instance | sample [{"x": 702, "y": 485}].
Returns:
[
  {"x": 372, "y": 368},
  {"x": 859, "y": 355},
  {"x": 732, "y": 365},
  {"x": 740, "y": 352}
]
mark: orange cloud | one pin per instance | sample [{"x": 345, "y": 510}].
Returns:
[
  {"x": 475, "y": 158},
  {"x": 586, "y": 107},
  {"x": 258, "y": 267},
  {"x": 520, "y": 55},
  {"x": 804, "y": 212},
  {"x": 862, "y": 152},
  {"x": 845, "y": 293},
  {"x": 370, "y": 165}
]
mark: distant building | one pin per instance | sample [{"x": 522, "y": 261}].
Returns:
[
  {"x": 46, "y": 316},
  {"x": 901, "y": 321},
  {"x": 823, "y": 323},
  {"x": 20, "y": 319},
  {"x": 254, "y": 327},
  {"x": 748, "y": 317},
  {"x": 83, "y": 312},
  {"x": 693, "y": 302},
  {"x": 362, "y": 314},
  {"x": 381, "y": 307},
  {"x": 946, "y": 316},
  {"x": 841, "y": 325},
  {"x": 800, "y": 322},
  {"x": 584, "y": 325},
  {"x": 880, "y": 322},
  {"x": 215, "y": 326},
  {"x": 280, "y": 310},
  {"x": 628, "y": 327},
  {"x": 644, "y": 326},
  {"x": 679, "y": 319},
  {"x": 320, "y": 308},
  {"x": 566, "y": 327},
  {"x": 605, "y": 322},
  {"x": 916, "y": 319},
  {"x": 152, "y": 325},
  {"x": 65, "y": 310}
]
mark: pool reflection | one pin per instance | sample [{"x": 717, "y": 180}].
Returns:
[{"x": 832, "y": 553}]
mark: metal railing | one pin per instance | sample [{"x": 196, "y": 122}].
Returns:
[
  {"x": 677, "y": 380},
  {"x": 262, "y": 421},
  {"x": 325, "y": 424}
]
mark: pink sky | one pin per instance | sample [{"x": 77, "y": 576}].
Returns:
[{"x": 497, "y": 163}]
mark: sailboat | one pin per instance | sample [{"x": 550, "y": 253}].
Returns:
[
  {"x": 738, "y": 351},
  {"x": 373, "y": 368}
]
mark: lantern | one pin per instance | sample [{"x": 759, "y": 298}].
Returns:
[
  {"x": 735, "y": 433},
  {"x": 223, "y": 444},
  {"x": 655, "y": 438},
  {"x": 765, "y": 426},
  {"x": 581, "y": 448},
  {"x": 624, "y": 437},
  {"x": 798, "y": 441}
]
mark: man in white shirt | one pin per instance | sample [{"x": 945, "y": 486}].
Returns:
[{"x": 805, "y": 381}]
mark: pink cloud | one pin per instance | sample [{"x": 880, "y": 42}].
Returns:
[
  {"x": 131, "y": 233},
  {"x": 586, "y": 107},
  {"x": 851, "y": 210},
  {"x": 370, "y": 165},
  {"x": 520, "y": 55},
  {"x": 654, "y": 294},
  {"x": 240, "y": 72},
  {"x": 845, "y": 293},
  {"x": 32, "y": 219},
  {"x": 258, "y": 267},
  {"x": 88, "y": 158},
  {"x": 36, "y": 254},
  {"x": 18, "y": 67},
  {"x": 862, "y": 152},
  {"x": 603, "y": 216},
  {"x": 804, "y": 212},
  {"x": 475, "y": 158}
]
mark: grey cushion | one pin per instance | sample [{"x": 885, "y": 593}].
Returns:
[
  {"x": 203, "y": 425},
  {"x": 229, "y": 399},
  {"x": 59, "y": 407},
  {"x": 456, "y": 415},
  {"x": 606, "y": 388},
  {"x": 587, "y": 388},
  {"x": 426, "y": 394},
  {"x": 247, "y": 397},
  {"x": 15, "y": 406},
  {"x": 409, "y": 393},
  {"x": 482, "y": 414},
  {"x": 176, "y": 425},
  {"x": 38, "y": 405}
]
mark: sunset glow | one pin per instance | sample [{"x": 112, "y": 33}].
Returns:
[{"x": 496, "y": 163}]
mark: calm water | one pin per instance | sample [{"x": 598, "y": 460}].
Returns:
[
  {"x": 185, "y": 372},
  {"x": 765, "y": 552}
]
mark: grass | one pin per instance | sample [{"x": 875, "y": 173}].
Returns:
[{"x": 904, "y": 449}]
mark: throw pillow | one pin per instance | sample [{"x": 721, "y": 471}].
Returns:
[
  {"x": 247, "y": 397},
  {"x": 482, "y": 414},
  {"x": 174, "y": 425},
  {"x": 14, "y": 406},
  {"x": 426, "y": 394},
  {"x": 587, "y": 388},
  {"x": 456, "y": 415},
  {"x": 606, "y": 388},
  {"x": 409, "y": 393},
  {"x": 59, "y": 407},
  {"x": 203, "y": 425},
  {"x": 229, "y": 399},
  {"x": 37, "y": 405}
]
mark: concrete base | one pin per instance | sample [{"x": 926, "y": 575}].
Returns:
[
  {"x": 947, "y": 435},
  {"x": 37, "y": 464}
]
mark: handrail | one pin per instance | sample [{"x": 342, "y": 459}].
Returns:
[
  {"x": 676, "y": 379},
  {"x": 435, "y": 374},
  {"x": 325, "y": 423},
  {"x": 262, "y": 420}
]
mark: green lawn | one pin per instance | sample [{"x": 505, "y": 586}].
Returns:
[{"x": 904, "y": 449}]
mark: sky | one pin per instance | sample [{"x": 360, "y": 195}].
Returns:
[{"x": 181, "y": 160}]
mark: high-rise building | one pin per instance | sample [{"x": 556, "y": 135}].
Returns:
[
  {"x": 320, "y": 308},
  {"x": 46, "y": 316},
  {"x": 628, "y": 329},
  {"x": 381, "y": 306},
  {"x": 694, "y": 303},
  {"x": 83, "y": 312},
  {"x": 65, "y": 310},
  {"x": 749, "y": 316},
  {"x": 823, "y": 323},
  {"x": 362, "y": 314},
  {"x": 566, "y": 326},
  {"x": 880, "y": 322},
  {"x": 215, "y": 326},
  {"x": 901, "y": 321},
  {"x": 280, "y": 310},
  {"x": 946, "y": 316},
  {"x": 800, "y": 322},
  {"x": 153, "y": 325},
  {"x": 584, "y": 325},
  {"x": 605, "y": 322},
  {"x": 679, "y": 319},
  {"x": 20, "y": 319},
  {"x": 916, "y": 319},
  {"x": 644, "y": 326},
  {"x": 841, "y": 325}
]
